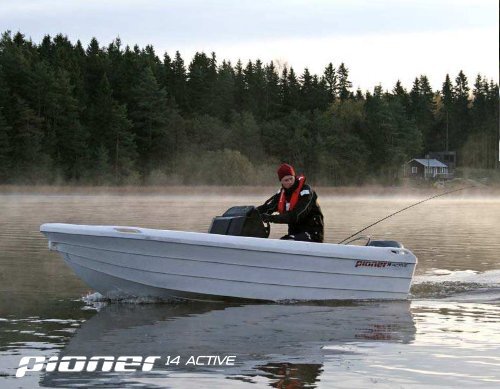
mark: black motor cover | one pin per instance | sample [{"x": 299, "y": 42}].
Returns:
[{"x": 240, "y": 221}]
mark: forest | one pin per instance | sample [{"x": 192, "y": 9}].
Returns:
[{"x": 114, "y": 115}]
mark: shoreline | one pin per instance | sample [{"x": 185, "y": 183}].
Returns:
[{"x": 206, "y": 190}]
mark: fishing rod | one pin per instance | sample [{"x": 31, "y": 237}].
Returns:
[{"x": 404, "y": 209}]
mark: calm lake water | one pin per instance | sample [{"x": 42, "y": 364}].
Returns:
[{"x": 447, "y": 334}]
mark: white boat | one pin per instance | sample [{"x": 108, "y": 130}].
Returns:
[{"x": 121, "y": 262}]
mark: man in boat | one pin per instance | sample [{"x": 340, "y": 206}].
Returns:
[{"x": 297, "y": 206}]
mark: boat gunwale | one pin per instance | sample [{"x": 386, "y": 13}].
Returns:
[{"x": 409, "y": 257}]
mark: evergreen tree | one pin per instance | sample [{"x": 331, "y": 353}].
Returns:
[
  {"x": 245, "y": 136},
  {"x": 95, "y": 67},
  {"x": 321, "y": 94},
  {"x": 149, "y": 59},
  {"x": 481, "y": 149},
  {"x": 400, "y": 94},
  {"x": 392, "y": 138},
  {"x": 272, "y": 106},
  {"x": 291, "y": 91},
  {"x": 239, "y": 87},
  {"x": 330, "y": 77},
  {"x": 200, "y": 83},
  {"x": 224, "y": 92},
  {"x": 103, "y": 170},
  {"x": 71, "y": 136},
  {"x": 341, "y": 156},
  {"x": 112, "y": 129},
  {"x": 249, "y": 102},
  {"x": 460, "y": 111},
  {"x": 300, "y": 144},
  {"x": 255, "y": 89},
  {"x": 166, "y": 76},
  {"x": 307, "y": 92},
  {"x": 92, "y": 115},
  {"x": 206, "y": 132},
  {"x": 4, "y": 149},
  {"x": 148, "y": 113},
  {"x": 493, "y": 114},
  {"x": 284, "y": 90},
  {"x": 447, "y": 109},
  {"x": 344, "y": 85},
  {"x": 16, "y": 61},
  {"x": 422, "y": 107},
  {"x": 30, "y": 162}
]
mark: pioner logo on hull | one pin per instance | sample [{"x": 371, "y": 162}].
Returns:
[
  {"x": 365, "y": 263},
  {"x": 75, "y": 364}
]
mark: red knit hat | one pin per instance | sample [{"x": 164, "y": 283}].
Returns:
[{"x": 285, "y": 170}]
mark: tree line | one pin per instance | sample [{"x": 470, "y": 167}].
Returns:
[{"x": 123, "y": 115}]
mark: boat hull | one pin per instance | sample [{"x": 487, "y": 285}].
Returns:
[{"x": 122, "y": 262}]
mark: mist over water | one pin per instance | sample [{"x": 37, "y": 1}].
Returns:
[{"x": 447, "y": 334}]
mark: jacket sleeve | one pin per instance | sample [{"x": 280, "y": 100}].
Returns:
[
  {"x": 301, "y": 210},
  {"x": 270, "y": 206}
]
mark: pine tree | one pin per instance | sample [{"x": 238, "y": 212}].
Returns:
[
  {"x": 111, "y": 128},
  {"x": 95, "y": 67},
  {"x": 178, "y": 87},
  {"x": 341, "y": 154},
  {"x": 246, "y": 136},
  {"x": 94, "y": 114},
  {"x": 199, "y": 83},
  {"x": 446, "y": 113},
  {"x": 29, "y": 159},
  {"x": 392, "y": 138},
  {"x": 165, "y": 77},
  {"x": 344, "y": 85},
  {"x": 239, "y": 87},
  {"x": 400, "y": 93},
  {"x": 272, "y": 100},
  {"x": 493, "y": 114},
  {"x": 256, "y": 89},
  {"x": 481, "y": 149},
  {"x": 4, "y": 149},
  {"x": 70, "y": 135},
  {"x": 102, "y": 167},
  {"x": 249, "y": 103},
  {"x": 16, "y": 63},
  {"x": 149, "y": 116},
  {"x": 149, "y": 59},
  {"x": 421, "y": 109},
  {"x": 461, "y": 111},
  {"x": 307, "y": 93},
  {"x": 119, "y": 78},
  {"x": 291, "y": 91},
  {"x": 224, "y": 92},
  {"x": 330, "y": 77}
]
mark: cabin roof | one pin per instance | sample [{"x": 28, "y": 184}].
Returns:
[{"x": 429, "y": 162}]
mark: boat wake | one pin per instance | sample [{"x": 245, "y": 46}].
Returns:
[
  {"x": 464, "y": 284},
  {"x": 97, "y": 301}
]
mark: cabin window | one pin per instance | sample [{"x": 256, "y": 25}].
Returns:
[{"x": 413, "y": 170}]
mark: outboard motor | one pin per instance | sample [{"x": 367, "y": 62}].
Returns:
[
  {"x": 240, "y": 221},
  {"x": 385, "y": 243}
]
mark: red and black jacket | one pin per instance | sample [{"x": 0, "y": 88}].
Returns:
[{"x": 298, "y": 207}]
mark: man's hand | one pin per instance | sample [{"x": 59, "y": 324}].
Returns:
[{"x": 265, "y": 217}]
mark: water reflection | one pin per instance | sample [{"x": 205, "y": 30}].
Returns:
[
  {"x": 284, "y": 344},
  {"x": 457, "y": 311}
]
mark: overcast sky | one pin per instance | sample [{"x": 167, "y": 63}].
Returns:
[{"x": 380, "y": 41}]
